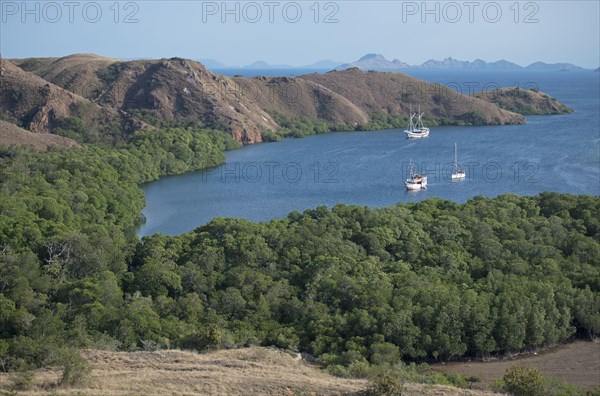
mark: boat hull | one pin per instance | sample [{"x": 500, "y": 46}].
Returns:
[
  {"x": 416, "y": 183},
  {"x": 417, "y": 134},
  {"x": 414, "y": 187}
]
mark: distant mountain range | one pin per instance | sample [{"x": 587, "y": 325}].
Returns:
[
  {"x": 322, "y": 65},
  {"x": 374, "y": 62},
  {"x": 380, "y": 63},
  {"x": 451, "y": 63}
]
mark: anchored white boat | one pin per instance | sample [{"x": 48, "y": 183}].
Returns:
[
  {"x": 457, "y": 173},
  {"x": 415, "y": 182},
  {"x": 416, "y": 129}
]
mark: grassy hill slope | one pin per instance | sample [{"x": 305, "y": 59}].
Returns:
[
  {"x": 524, "y": 101},
  {"x": 11, "y": 134},
  {"x": 251, "y": 371}
]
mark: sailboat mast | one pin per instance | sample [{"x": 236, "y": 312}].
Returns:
[{"x": 455, "y": 157}]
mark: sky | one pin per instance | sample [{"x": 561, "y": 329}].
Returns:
[{"x": 303, "y": 32}]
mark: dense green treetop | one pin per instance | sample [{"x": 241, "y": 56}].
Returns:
[{"x": 351, "y": 285}]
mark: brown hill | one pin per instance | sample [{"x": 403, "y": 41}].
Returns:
[
  {"x": 172, "y": 92},
  {"x": 389, "y": 93},
  {"x": 179, "y": 92},
  {"x": 300, "y": 97},
  {"x": 40, "y": 106},
  {"x": 32, "y": 64},
  {"x": 524, "y": 101},
  {"x": 76, "y": 73},
  {"x": 11, "y": 134},
  {"x": 252, "y": 371}
]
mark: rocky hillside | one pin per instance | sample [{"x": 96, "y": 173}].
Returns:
[
  {"x": 379, "y": 92},
  {"x": 76, "y": 73},
  {"x": 167, "y": 92},
  {"x": 10, "y": 135},
  {"x": 37, "y": 105},
  {"x": 524, "y": 101},
  {"x": 104, "y": 98},
  {"x": 181, "y": 92},
  {"x": 301, "y": 97}
]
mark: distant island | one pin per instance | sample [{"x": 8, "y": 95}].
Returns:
[
  {"x": 378, "y": 62},
  {"x": 260, "y": 64}
]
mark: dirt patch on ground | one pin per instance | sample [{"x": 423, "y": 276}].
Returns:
[{"x": 577, "y": 362}]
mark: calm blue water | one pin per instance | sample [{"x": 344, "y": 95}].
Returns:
[{"x": 267, "y": 181}]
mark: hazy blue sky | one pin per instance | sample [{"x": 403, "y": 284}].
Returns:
[{"x": 276, "y": 32}]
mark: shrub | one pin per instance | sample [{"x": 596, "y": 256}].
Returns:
[
  {"x": 337, "y": 370},
  {"x": 523, "y": 381},
  {"x": 75, "y": 368},
  {"x": 270, "y": 136},
  {"x": 21, "y": 380},
  {"x": 457, "y": 380},
  {"x": 386, "y": 384},
  {"x": 359, "y": 369},
  {"x": 472, "y": 380},
  {"x": 558, "y": 387}
]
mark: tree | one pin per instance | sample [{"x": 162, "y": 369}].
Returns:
[
  {"x": 384, "y": 353},
  {"x": 75, "y": 368}
]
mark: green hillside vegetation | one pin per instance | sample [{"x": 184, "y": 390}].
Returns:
[
  {"x": 301, "y": 127},
  {"x": 353, "y": 286},
  {"x": 524, "y": 101}
]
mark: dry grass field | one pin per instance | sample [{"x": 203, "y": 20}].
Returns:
[
  {"x": 252, "y": 371},
  {"x": 263, "y": 371}
]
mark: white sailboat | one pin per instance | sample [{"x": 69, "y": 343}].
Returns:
[
  {"x": 457, "y": 173},
  {"x": 416, "y": 129},
  {"x": 415, "y": 182}
]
